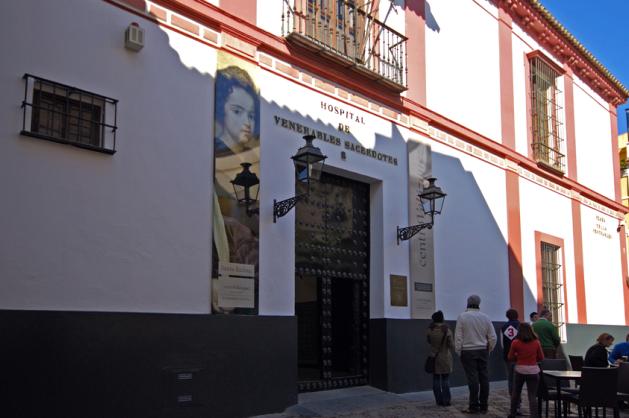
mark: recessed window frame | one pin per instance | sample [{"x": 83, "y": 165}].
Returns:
[
  {"x": 68, "y": 115},
  {"x": 551, "y": 267},
  {"x": 546, "y": 112}
]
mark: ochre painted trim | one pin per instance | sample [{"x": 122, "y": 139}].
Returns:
[
  {"x": 476, "y": 139},
  {"x": 547, "y": 60},
  {"x": 579, "y": 275},
  {"x": 622, "y": 236},
  {"x": 245, "y": 9},
  {"x": 549, "y": 239},
  {"x": 547, "y": 32},
  {"x": 571, "y": 142},
  {"x": 505, "y": 46},
  {"x": 625, "y": 279},
  {"x": 613, "y": 120},
  {"x": 406, "y": 107},
  {"x": 416, "y": 47},
  {"x": 514, "y": 246},
  {"x": 529, "y": 108}
]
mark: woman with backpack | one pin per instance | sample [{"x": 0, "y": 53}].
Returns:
[{"x": 440, "y": 339}]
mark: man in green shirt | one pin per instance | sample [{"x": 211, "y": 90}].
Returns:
[{"x": 547, "y": 333}]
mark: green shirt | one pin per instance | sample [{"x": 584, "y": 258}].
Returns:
[{"x": 547, "y": 333}]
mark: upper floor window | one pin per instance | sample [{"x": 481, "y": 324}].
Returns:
[
  {"x": 68, "y": 115},
  {"x": 347, "y": 31},
  {"x": 546, "y": 114}
]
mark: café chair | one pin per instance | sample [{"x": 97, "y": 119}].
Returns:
[
  {"x": 597, "y": 389},
  {"x": 623, "y": 382},
  {"x": 557, "y": 364},
  {"x": 546, "y": 390},
  {"x": 546, "y": 395},
  {"x": 576, "y": 362}
]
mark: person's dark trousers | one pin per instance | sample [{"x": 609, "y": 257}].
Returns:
[
  {"x": 475, "y": 366},
  {"x": 532, "y": 381},
  {"x": 550, "y": 352},
  {"x": 510, "y": 366},
  {"x": 441, "y": 388}
]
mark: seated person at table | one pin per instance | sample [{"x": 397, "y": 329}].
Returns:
[
  {"x": 620, "y": 350},
  {"x": 596, "y": 355}
]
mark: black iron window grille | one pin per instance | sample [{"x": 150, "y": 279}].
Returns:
[
  {"x": 546, "y": 115},
  {"x": 68, "y": 115},
  {"x": 552, "y": 285},
  {"x": 344, "y": 30}
]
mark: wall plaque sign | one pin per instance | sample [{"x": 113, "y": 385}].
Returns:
[
  {"x": 398, "y": 290},
  {"x": 236, "y": 285},
  {"x": 600, "y": 228}
]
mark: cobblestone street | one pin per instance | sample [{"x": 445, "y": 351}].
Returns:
[{"x": 368, "y": 402}]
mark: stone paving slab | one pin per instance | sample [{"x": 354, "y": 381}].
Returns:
[{"x": 369, "y": 402}]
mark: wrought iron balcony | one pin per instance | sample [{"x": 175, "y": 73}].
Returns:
[{"x": 348, "y": 34}]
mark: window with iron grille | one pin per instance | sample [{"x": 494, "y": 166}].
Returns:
[
  {"x": 552, "y": 285},
  {"x": 68, "y": 115},
  {"x": 546, "y": 115}
]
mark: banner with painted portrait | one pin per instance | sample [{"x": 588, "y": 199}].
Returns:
[{"x": 235, "y": 227}]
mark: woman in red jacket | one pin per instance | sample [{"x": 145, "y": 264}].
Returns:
[{"x": 526, "y": 352}]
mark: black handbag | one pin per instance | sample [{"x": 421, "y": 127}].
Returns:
[{"x": 429, "y": 365}]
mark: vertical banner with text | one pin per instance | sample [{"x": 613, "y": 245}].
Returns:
[
  {"x": 422, "y": 263},
  {"x": 235, "y": 232}
]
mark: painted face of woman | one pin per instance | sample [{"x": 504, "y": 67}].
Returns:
[{"x": 239, "y": 122}]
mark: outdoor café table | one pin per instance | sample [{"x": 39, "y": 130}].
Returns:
[{"x": 560, "y": 375}]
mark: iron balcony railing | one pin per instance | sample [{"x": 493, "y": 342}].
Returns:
[{"x": 348, "y": 34}]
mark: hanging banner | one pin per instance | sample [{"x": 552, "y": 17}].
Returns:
[
  {"x": 422, "y": 263},
  {"x": 235, "y": 242}
]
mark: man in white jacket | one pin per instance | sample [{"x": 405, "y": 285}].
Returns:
[{"x": 474, "y": 339}]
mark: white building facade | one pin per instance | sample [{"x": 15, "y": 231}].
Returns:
[{"x": 121, "y": 235}]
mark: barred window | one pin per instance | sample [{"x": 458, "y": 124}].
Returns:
[
  {"x": 546, "y": 115},
  {"x": 552, "y": 285},
  {"x": 68, "y": 115}
]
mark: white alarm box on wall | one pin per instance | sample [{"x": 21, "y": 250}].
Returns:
[{"x": 134, "y": 37}]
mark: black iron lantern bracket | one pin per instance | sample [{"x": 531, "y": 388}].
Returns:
[
  {"x": 281, "y": 208},
  {"x": 431, "y": 199},
  {"x": 308, "y": 163},
  {"x": 408, "y": 232}
]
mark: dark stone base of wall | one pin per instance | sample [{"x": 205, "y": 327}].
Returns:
[
  {"x": 90, "y": 364},
  {"x": 398, "y": 350}
]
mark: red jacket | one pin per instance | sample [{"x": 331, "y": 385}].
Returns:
[{"x": 526, "y": 354}]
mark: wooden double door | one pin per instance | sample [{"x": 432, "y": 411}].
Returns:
[{"x": 332, "y": 284}]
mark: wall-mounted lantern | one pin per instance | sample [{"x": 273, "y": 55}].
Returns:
[
  {"x": 431, "y": 198},
  {"x": 308, "y": 162},
  {"x": 246, "y": 187}
]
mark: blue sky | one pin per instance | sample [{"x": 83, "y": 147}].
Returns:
[{"x": 602, "y": 26}]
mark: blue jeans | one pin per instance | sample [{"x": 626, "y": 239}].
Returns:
[{"x": 441, "y": 388}]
